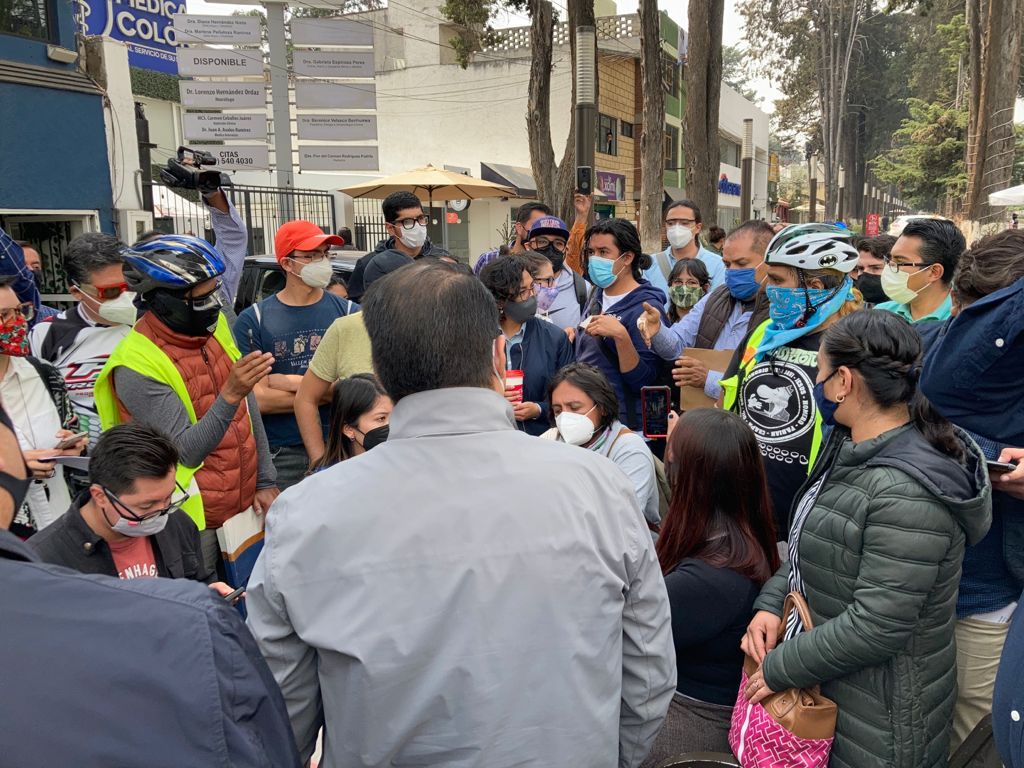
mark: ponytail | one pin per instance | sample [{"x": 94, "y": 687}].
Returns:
[{"x": 935, "y": 428}]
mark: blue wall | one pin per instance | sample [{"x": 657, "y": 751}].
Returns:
[
  {"x": 53, "y": 146},
  {"x": 53, "y": 152}
]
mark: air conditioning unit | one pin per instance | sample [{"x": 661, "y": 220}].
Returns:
[{"x": 132, "y": 223}]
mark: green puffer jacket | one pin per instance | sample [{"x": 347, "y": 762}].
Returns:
[{"x": 880, "y": 557}]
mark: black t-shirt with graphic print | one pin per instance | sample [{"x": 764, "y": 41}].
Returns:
[{"x": 776, "y": 401}]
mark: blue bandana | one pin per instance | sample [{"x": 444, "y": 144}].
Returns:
[{"x": 787, "y": 307}]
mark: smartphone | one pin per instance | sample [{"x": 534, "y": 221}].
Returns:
[
  {"x": 1000, "y": 467},
  {"x": 232, "y": 597},
  {"x": 584, "y": 179},
  {"x": 67, "y": 442},
  {"x": 654, "y": 406}
]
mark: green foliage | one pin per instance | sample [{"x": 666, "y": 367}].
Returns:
[
  {"x": 154, "y": 85},
  {"x": 736, "y": 74},
  {"x": 473, "y": 18},
  {"x": 927, "y": 159}
]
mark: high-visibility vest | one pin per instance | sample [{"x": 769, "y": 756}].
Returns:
[
  {"x": 142, "y": 355},
  {"x": 731, "y": 389}
]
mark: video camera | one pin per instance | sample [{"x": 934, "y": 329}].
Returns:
[{"x": 186, "y": 171}]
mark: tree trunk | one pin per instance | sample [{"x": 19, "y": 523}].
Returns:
[
  {"x": 991, "y": 166},
  {"x": 703, "y": 90},
  {"x": 652, "y": 136},
  {"x": 538, "y": 113}
]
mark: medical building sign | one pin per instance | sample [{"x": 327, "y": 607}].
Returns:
[{"x": 145, "y": 26}]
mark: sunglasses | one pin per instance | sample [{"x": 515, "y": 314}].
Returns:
[{"x": 104, "y": 292}]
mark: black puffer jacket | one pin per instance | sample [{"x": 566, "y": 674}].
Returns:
[{"x": 880, "y": 557}]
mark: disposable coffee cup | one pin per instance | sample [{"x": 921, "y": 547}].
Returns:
[{"x": 514, "y": 385}]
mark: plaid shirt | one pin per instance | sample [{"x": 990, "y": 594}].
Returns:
[{"x": 12, "y": 262}]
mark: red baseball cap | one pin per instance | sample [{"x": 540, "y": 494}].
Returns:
[{"x": 301, "y": 236}]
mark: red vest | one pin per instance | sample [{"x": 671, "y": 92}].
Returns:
[{"x": 228, "y": 476}]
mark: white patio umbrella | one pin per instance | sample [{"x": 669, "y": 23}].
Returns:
[{"x": 1011, "y": 196}]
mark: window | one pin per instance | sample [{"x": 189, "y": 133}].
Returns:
[
  {"x": 728, "y": 151},
  {"x": 607, "y": 143},
  {"x": 670, "y": 75},
  {"x": 27, "y": 18},
  {"x": 626, "y": 129},
  {"x": 671, "y": 148}
]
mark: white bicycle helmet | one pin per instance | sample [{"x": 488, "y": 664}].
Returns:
[{"x": 813, "y": 246}]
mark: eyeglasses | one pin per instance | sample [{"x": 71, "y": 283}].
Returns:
[
  {"x": 207, "y": 300},
  {"x": 540, "y": 242},
  {"x": 307, "y": 256},
  {"x": 525, "y": 293},
  {"x": 410, "y": 223},
  {"x": 104, "y": 292},
  {"x": 684, "y": 222},
  {"x": 127, "y": 513},
  {"x": 896, "y": 265},
  {"x": 545, "y": 282},
  {"x": 26, "y": 311}
]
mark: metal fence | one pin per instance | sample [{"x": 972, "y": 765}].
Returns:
[
  {"x": 263, "y": 209},
  {"x": 368, "y": 228}
]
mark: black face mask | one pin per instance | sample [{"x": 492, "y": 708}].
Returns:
[
  {"x": 37, "y": 275},
  {"x": 870, "y": 287},
  {"x": 375, "y": 437},
  {"x": 556, "y": 257},
  {"x": 178, "y": 314},
  {"x": 521, "y": 311},
  {"x": 16, "y": 487}
]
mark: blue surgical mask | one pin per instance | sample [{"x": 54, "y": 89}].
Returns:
[
  {"x": 827, "y": 408},
  {"x": 742, "y": 283},
  {"x": 602, "y": 271}
]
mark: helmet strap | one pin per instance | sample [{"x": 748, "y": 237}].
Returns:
[{"x": 812, "y": 308}]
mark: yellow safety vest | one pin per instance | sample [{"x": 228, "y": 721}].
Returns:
[
  {"x": 731, "y": 388},
  {"x": 143, "y": 356}
]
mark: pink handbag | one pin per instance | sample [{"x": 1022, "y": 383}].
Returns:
[{"x": 791, "y": 729}]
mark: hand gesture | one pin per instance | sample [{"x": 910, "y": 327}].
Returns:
[
  {"x": 690, "y": 372},
  {"x": 649, "y": 323},
  {"x": 582, "y": 205},
  {"x": 244, "y": 374},
  {"x": 607, "y": 326}
]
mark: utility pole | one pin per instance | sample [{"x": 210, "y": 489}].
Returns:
[
  {"x": 145, "y": 161},
  {"x": 747, "y": 168},
  {"x": 812, "y": 175},
  {"x": 586, "y": 105},
  {"x": 842, "y": 189},
  {"x": 278, "y": 45}
]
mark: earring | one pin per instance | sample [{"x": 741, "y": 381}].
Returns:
[{"x": 841, "y": 398}]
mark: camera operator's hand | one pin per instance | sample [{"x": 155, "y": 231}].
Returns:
[{"x": 245, "y": 373}]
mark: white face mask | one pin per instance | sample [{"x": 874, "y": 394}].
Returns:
[
  {"x": 679, "y": 236},
  {"x": 894, "y": 284},
  {"x": 575, "y": 428},
  {"x": 119, "y": 311},
  {"x": 415, "y": 237},
  {"x": 316, "y": 274}
]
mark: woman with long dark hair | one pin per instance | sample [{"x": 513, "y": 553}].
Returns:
[
  {"x": 876, "y": 544},
  {"x": 360, "y": 412},
  {"x": 716, "y": 548}
]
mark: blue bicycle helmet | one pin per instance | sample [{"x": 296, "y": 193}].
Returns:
[{"x": 171, "y": 262}]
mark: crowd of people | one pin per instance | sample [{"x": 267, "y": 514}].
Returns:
[{"x": 445, "y": 577}]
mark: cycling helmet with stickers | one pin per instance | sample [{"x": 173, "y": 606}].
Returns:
[
  {"x": 813, "y": 246},
  {"x": 171, "y": 262}
]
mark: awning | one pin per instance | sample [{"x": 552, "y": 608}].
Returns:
[
  {"x": 674, "y": 193},
  {"x": 520, "y": 179}
]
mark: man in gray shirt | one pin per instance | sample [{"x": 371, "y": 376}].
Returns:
[{"x": 463, "y": 595}]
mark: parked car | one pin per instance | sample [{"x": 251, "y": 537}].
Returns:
[{"x": 263, "y": 276}]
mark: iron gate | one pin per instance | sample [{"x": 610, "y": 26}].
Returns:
[{"x": 263, "y": 209}]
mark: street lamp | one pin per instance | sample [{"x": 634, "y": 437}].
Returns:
[
  {"x": 586, "y": 106},
  {"x": 747, "y": 168}
]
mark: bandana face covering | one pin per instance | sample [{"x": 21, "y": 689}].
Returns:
[{"x": 14, "y": 338}]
